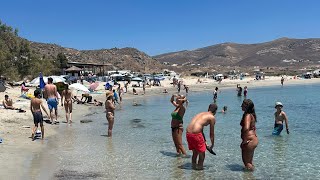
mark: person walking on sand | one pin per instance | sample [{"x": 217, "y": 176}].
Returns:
[
  {"x": 144, "y": 87},
  {"x": 35, "y": 105},
  {"x": 67, "y": 95},
  {"x": 279, "y": 117},
  {"x": 51, "y": 95},
  {"x": 195, "y": 136},
  {"x": 282, "y": 80},
  {"x": 248, "y": 134},
  {"x": 215, "y": 94},
  {"x": 110, "y": 107},
  {"x": 177, "y": 122}
]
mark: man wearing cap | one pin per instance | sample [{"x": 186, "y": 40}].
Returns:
[{"x": 280, "y": 116}]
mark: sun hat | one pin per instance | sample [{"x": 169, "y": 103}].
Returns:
[{"x": 278, "y": 104}]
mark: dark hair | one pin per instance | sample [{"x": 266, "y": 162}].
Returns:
[
  {"x": 6, "y": 96},
  {"x": 50, "y": 79},
  {"x": 249, "y": 109},
  {"x": 216, "y": 88},
  {"x": 213, "y": 107},
  {"x": 36, "y": 93},
  {"x": 66, "y": 86}
]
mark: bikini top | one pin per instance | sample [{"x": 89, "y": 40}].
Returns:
[{"x": 176, "y": 116}]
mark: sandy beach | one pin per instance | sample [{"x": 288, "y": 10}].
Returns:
[{"x": 15, "y": 127}]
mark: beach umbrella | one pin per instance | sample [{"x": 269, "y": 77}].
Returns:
[
  {"x": 37, "y": 80},
  {"x": 79, "y": 87},
  {"x": 57, "y": 79},
  {"x": 42, "y": 83}
]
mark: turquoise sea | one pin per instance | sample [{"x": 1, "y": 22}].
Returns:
[{"x": 142, "y": 148}]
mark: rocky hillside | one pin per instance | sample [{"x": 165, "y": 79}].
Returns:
[
  {"x": 124, "y": 58},
  {"x": 281, "y": 52}
]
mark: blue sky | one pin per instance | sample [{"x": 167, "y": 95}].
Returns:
[{"x": 162, "y": 26}]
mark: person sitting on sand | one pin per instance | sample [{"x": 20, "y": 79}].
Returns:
[
  {"x": 195, "y": 136},
  {"x": 8, "y": 104},
  {"x": 35, "y": 105},
  {"x": 24, "y": 89},
  {"x": 279, "y": 117},
  {"x": 87, "y": 97},
  {"x": 165, "y": 91}
]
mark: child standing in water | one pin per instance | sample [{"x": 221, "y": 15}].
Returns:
[{"x": 35, "y": 104}]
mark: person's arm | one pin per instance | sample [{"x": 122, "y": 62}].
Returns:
[
  {"x": 31, "y": 109},
  {"x": 44, "y": 109},
  {"x": 110, "y": 105},
  {"x": 172, "y": 100},
  {"x": 286, "y": 121},
  {"x": 5, "y": 104},
  {"x": 212, "y": 123}
]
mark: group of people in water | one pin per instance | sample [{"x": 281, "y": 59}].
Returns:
[
  {"x": 196, "y": 138},
  {"x": 194, "y": 131}
]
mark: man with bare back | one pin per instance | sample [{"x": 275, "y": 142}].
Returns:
[
  {"x": 67, "y": 95},
  {"x": 35, "y": 104},
  {"x": 50, "y": 94},
  {"x": 195, "y": 136}
]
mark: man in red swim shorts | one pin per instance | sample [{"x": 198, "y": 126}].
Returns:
[{"x": 195, "y": 138}]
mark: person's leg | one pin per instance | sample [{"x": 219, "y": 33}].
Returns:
[
  {"x": 110, "y": 122},
  {"x": 42, "y": 130},
  {"x": 66, "y": 108},
  {"x": 201, "y": 160},
  {"x": 194, "y": 159},
  {"x": 70, "y": 111},
  {"x": 247, "y": 156},
  {"x": 56, "y": 114},
  {"x": 179, "y": 141},
  {"x": 51, "y": 116},
  {"x": 34, "y": 129},
  {"x": 175, "y": 140}
]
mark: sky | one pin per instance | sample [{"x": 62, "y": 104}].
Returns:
[{"x": 160, "y": 26}]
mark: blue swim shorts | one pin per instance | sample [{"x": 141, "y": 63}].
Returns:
[
  {"x": 277, "y": 129},
  {"x": 52, "y": 103}
]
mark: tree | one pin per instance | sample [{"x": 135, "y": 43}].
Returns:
[{"x": 62, "y": 61}]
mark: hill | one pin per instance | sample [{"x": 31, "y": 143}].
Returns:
[
  {"x": 124, "y": 58},
  {"x": 282, "y": 52}
]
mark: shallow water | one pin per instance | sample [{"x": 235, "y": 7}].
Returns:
[{"x": 141, "y": 146}]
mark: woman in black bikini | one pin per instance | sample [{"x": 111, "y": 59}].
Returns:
[
  {"x": 67, "y": 95},
  {"x": 248, "y": 133},
  {"x": 177, "y": 122}
]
